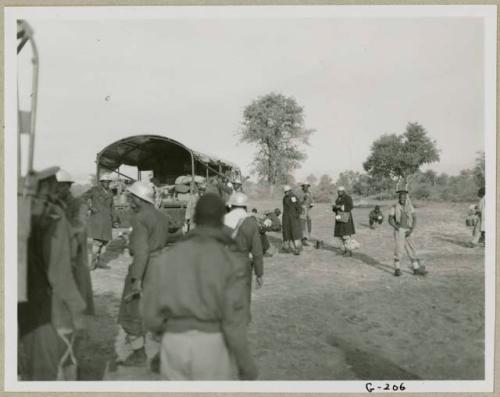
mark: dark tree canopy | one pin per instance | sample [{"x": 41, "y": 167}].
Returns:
[
  {"x": 400, "y": 156},
  {"x": 275, "y": 123}
]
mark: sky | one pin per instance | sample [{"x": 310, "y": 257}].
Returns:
[{"x": 356, "y": 78}]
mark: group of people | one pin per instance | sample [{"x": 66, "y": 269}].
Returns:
[
  {"x": 193, "y": 296},
  {"x": 297, "y": 224}
]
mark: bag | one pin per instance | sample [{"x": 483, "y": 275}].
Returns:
[
  {"x": 342, "y": 217},
  {"x": 352, "y": 244}
]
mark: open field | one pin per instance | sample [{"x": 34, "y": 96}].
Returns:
[{"x": 320, "y": 316}]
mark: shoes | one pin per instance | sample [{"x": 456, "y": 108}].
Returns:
[
  {"x": 296, "y": 252},
  {"x": 397, "y": 272},
  {"x": 348, "y": 253},
  {"x": 137, "y": 358},
  {"x": 420, "y": 271},
  {"x": 155, "y": 364},
  {"x": 305, "y": 243},
  {"x": 268, "y": 255}
]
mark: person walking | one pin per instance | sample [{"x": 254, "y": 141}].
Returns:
[
  {"x": 148, "y": 238},
  {"x": 52, "y": 316},
  {"x": 403, "y": 219},
  {"x": 307, "y": 204},
  {"x": 198, "y": 303},
  {"x": 344, "y": 223},
  {"x": 292, "y": 230},
  {"x": 244, "y": 229},
  {"x": 100, "y": 201}
]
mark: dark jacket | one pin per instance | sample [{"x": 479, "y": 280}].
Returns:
[
  {"x": 75, "y": 211},
  {"x": 53, "y": 296},
  {"x": 149, "y": 236},
  {"x": 292, "y": 209},
  {"x": 344, "y": 229},
  {"x": 202, "y": 288},
  {"x": 101, "y": 213}
]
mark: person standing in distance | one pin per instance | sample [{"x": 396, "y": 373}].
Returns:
[
  {"x": 307, "y": 204},
  {"x": 292, "y": 230},
  {"x": 100, "y": 200},
  {"x": 403, "y": 219},
  {"x": 344, "y": 223}
]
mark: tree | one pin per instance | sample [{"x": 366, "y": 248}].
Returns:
[
  {"x": 275, "y": 123},
  {"x": 400, "y": 156},
  {"x": 347, "y": 179},
  {"x": 311, "y": 179},
  {"x": 325, "y": 189}
]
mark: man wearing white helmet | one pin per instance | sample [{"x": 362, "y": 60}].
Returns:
[
  {"x": 148, "y": 238},
  {"x": 292, "y": 230},
  {"x": 100, "y": 200},
  {"x": 244, "y": 230}
]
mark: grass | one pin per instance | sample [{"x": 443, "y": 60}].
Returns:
[{"x": 320, "y": 316}]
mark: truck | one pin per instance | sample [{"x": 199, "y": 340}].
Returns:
[{"x": 176, "y": 170}]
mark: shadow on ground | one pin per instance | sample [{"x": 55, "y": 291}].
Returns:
[
  {"x": 452, "y": 239},
  {"x": 366, "y": 259},
  {"x": 369, "y": 366}
]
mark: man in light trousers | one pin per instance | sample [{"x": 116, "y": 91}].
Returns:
[{"x": 403, "y": 219}]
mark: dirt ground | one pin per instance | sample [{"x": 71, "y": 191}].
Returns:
[{"x": 320, "y": 316}]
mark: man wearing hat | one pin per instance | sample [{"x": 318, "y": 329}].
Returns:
[
  {"x": 53, "y": 313},
  {"x": 244, "y": 229},
  {"x": 198, "y": 303},
  {"x": 100, "y": 200},
  {"x": 403, "y": 219},
  {"x": 292, "y": 230},
  {"x": 148, "y": 238},
  {"x": 305, "y": 217}
]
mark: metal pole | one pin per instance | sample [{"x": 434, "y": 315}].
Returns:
[{"x": 34, "y": 95}]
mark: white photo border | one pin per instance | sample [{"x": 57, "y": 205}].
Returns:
[{"x": 488, "y": 13}]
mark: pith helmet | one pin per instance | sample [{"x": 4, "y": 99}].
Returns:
[
  {"x": 64, "y": 176},
  {"x": 238, "y": 200},
  {"x": 143, "y": 190},
  {"x": 105, "y": 177}
]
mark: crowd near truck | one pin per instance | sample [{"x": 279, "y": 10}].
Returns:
[{"x": 176, "y": 171}]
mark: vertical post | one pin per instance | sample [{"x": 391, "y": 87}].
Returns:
[
  {"x": 191, "y": 187},
  {"x": 34, "y": 96}
]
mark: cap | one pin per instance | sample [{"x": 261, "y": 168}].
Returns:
[
  {"x": 287, "y": 188},
  {"x": 143, "y": 190},
  {"x": 341, "y": 189},
  {"x": 238, "y": 200},
  {"x": 210, "y": 210},
  {"x": 64, "y": 176}
]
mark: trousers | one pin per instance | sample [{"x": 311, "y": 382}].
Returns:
[
  {"x": 403, "y": 243},
  {"x": 196, "y": 355}
]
